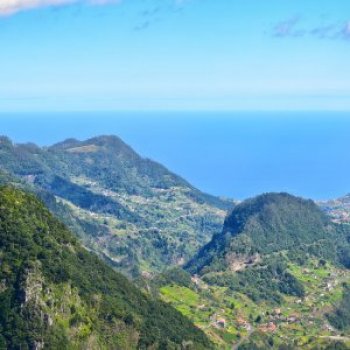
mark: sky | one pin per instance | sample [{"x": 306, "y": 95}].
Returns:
[{"x": 103, "y": 55}]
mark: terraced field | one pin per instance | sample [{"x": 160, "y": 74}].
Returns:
[
  {"x": 171, "y": 228},
  {"x": 231, "y": 318}
]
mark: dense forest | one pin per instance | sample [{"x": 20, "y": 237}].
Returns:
[
  {"x": 56, "y": 295},
  {"x": 261, "y": 237}
]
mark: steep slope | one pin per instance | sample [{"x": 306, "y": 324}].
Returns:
[
  {"x": 56, "y": 295},
  {"x": 340, "y": 316},
  {"x": 276, "y": 277},
  {"x": 132, "y": 211}
]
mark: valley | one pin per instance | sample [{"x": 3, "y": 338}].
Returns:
[
  {"x": 231, "y": 319},
  {"x": 131, "y": 211}
]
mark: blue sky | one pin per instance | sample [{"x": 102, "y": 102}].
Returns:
[{"x": 67, "y": 55}]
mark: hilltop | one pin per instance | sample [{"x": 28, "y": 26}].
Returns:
[
  {"x": 56, "y": 295},
  {"x": 131, "y": 211}
]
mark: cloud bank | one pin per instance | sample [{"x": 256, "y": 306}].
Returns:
[{"x": 10, "y": 7}]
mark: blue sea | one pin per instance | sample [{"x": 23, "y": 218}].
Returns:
[{"x": 236, "y": 155}]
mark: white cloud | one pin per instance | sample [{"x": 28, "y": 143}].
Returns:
[{"x": 10, "y": 7}]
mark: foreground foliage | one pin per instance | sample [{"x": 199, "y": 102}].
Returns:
[{"x": 54, "y": 294}]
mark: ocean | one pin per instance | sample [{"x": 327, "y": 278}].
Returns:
[{"x": 236, "y": 155}]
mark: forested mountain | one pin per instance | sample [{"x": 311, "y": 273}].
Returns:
[
  {"x": 269, "y": 224},
  {"x": 56, "y": 295},
  {"x": 131, "y": 211},
  {"x": 276, "y": 277}
]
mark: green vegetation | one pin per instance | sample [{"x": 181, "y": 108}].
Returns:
[
  {"x": 276, "y": 277},
  {"x": 290, "y": 322},
  {"x": 131, "y": 211},
  {"x": 268, "y": 281},
  {"x": 56, "y": 295},
  {"x": 340, "y": 318},
  {"x": 273, "y": 279},
  {"x": 270, "y": 224},
  {"x": 261, "y": 238}
]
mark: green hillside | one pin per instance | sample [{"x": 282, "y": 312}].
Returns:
[
  {"x": 233, "y": 319},
  {"x": 56, "y": 295},
  {"x": 131, "y": 211},
  {"x": 276, "y": 277}
]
